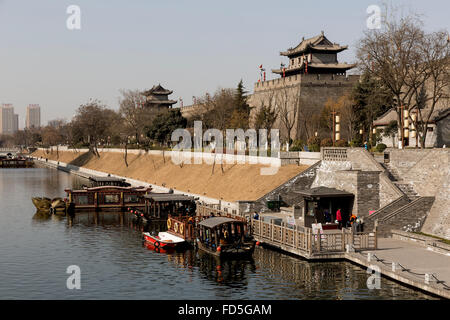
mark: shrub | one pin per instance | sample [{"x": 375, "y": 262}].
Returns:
[
  {"x": 356, "y": 143},
  {"x": 381, "y": 147},
  {"x": 297, "y": 145},
  {"x": 341, "y": 143},
  {"x": 327, "y": 142}
]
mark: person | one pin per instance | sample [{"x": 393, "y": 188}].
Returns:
[
  {"x": 365, "y": 145},
  {"x": 339, "y": 218},
  {"x": 211, "y": 215},
  {"x": 255, "y": 216},
  {"x": 327, "y": 215}
]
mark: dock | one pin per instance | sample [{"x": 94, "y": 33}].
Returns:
[{"x": 412, "y": 263}]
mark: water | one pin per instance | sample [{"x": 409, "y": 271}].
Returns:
[{"x": 35, "y": 251}]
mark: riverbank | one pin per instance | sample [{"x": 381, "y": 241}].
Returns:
[{"x": 230, "y": 182}]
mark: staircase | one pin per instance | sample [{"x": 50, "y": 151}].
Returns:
[
  {"x": 397, "y": 179},
  {"x": 407, "y": 212}
]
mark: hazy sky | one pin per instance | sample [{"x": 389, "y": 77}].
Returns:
[{"x": 188, "y": 46}]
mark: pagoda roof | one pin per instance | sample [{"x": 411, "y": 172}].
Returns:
[
  {"x": 317, "y": 43},
  {"x": 157, "y": 90},
  {"x": 338, "y": 66},
  {"x": 156, "y": 101}
]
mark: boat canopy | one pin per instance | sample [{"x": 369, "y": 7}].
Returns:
[
  {"x": 167, "y": 197},
  {"x": 217, "y": 221}
]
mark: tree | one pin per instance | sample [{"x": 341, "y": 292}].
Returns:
[
  {"x": 164, "y": 124},
  {"x": 93, "y": 123},
  {"x": 135, "y": 116},
  {"x": 241, "y": 113},
  {"x": 288, "y": 104},
  {"x": 405, "y": 58},
  {"x": 52, "y": 136},
  {"x": 371, "y": 99},
  {"x": 390, "y": 131}
]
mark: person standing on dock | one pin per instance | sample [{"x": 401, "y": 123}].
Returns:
[{"x": 339, "y": 218}]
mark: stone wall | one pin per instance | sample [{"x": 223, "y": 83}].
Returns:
[
  {"x": 360, "y": 159},
  {"x": 288, "y": 191},
  {"x": 409, "y": 218},
  {"x": 363, "y": 184},
  {"x": 428, "y": 171},
  {"x": 313, "y": 91}
]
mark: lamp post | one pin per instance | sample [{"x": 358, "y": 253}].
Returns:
[{"x": 405, "y": 126}]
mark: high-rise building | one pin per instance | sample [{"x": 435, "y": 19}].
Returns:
[
  {"x": 33, "y": 116},
  {"x": 8, "y": 119},
  {"x": 16, "y": 123}
]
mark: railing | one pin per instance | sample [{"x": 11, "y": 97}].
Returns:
[
  {"x": 334, "y": 154},
  {"x": 306, "y": 243}
]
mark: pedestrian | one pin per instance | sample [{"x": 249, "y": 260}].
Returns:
[
  {"x": 327, "y": 215},
  {"x": 255, "y": 216},
  {"x": 339, "y": 218},
  {"x": 366, "y": 145}
]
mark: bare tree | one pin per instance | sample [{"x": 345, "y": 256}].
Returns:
[
  {"x": 288, "y": 103},
  {"x": 405, "y": 59}
]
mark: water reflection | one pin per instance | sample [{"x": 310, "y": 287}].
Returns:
[{"x": 36, "y": 249}]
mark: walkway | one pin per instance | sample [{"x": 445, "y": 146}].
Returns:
[{"x": 413, "y": 261}]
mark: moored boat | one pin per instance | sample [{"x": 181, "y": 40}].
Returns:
[
  {"x": 41, "y": 203},
  {"x": 163, "y": 241},
  {"x": 225, "y": 237},
  {"x": 58, "y": 206}
]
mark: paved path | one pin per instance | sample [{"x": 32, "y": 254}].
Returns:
[{"x": 412, "y": 256}]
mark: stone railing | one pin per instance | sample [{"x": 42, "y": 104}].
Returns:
[{"x": 334, "y": 154}]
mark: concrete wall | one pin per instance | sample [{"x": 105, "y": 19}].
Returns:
[{"x": 429, "y": 173}]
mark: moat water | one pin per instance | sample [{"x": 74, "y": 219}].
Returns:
[{"x": 36, "y": 249}]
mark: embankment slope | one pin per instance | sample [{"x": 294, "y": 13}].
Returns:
[{"x": 236, "y": 182}]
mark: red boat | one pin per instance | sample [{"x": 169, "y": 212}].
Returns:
[{"x": 164, "y": 240}]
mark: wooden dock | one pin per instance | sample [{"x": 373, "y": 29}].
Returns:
[{"x": 331, "y": 244}]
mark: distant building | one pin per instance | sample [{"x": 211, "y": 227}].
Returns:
[
  {"x": 9, "y": 122},
  {"x": 33, "y": 116},
  {"x": 312, "y": 76},
  {"x": 158, "y": 97},
  {"x": 57, "y": 123},
  {"x": 16, "y": 123}
]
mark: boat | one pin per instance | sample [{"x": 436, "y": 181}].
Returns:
[
  {"x": 41, "y": 203},
  {"x": 163, "y": 241},
  {"x": 106, "y": 197},
  {"x": 225, "y": 237},
  {"x": 58, "y": 206}
]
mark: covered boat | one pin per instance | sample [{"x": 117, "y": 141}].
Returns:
[
  {"x": 225, "y": 237},
  {"x": 107, "y": 198}
]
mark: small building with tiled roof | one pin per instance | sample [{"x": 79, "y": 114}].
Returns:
[
  {"x": 438, "y": 130},
  {"x": 158, "y": 97},
  {"x": 316, "y": 55}
]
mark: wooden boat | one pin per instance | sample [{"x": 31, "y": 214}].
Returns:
[
  {"x": 58, "y": 206},
  {"x": 41, "y": 203},
  {"x": 225, "y": 237},
  {"x": 107, "y": 198},
  {"x": 163, "y": 241}
]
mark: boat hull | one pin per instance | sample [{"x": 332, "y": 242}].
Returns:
[
  {"x": 244, "y": 252},
  {"x": 163, "y": 242}
]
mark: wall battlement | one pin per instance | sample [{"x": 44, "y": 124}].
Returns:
[{"x": 307, "y": 80}]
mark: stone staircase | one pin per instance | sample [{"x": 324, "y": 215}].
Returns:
[
  {"x": 405, "y": 212},
  {"x": 397, "y": 179}
]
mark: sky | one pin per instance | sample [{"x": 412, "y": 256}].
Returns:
[{"x": 191, "y": 47}]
